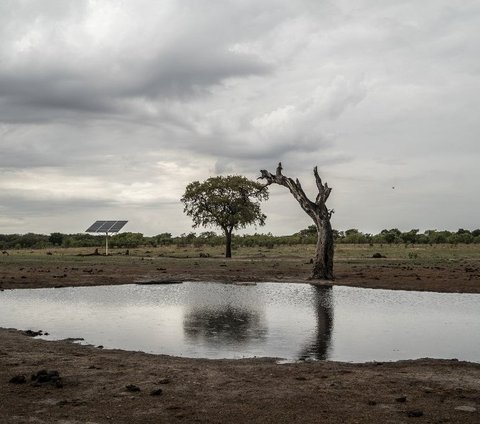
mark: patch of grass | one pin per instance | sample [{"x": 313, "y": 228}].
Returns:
[{"x": 420, "y": 254}]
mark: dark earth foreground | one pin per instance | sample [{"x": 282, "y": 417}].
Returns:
[{"x": 113, "y": 386}]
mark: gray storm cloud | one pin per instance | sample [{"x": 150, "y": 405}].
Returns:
[{"x": 108, "y": 106}]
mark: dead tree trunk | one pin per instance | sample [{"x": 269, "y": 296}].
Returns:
[{"x": 323, "y": 262}]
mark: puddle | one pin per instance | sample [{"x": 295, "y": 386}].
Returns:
[{"x": 289, "y": 321}]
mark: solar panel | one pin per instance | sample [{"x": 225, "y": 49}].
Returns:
[
  {"x": 106, "y": 227},
  {"x": 117, "y": 226},
  {"x": 94, "y": 227}
]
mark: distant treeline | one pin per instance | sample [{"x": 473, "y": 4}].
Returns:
[{"x": 210, "y": 238}]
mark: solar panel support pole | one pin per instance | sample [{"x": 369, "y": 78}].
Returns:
[{"x": 106, "y": 227}]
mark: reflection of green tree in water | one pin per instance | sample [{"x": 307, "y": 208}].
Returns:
[
  {"x": 225, "y": 325},
  {"x": 319, "y": 345}
]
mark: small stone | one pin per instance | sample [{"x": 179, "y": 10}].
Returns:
[
  {"x": 466, "y": 408},
  {"x": 132, "y": 388},
  {"x": 164, "y": 381},
  {"x": 414, "y": 413},
  {"x": 18, "y": 379},
  {"x": 32, "y": 333},
  {"x": 372, "y": 402},
  {"x": 156, "y": 392},
  {"x": 401, "y": 399},
  {"x": 38, "y": 374},
  {"x": 100, "y": 347},
  {"x": 44, "y": 376}
]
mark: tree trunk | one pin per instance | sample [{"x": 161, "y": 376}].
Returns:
[
  {"x": 228, "y": 243},
  {"x": 323, "y": 262}
]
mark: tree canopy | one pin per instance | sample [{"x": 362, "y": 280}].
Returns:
[
  {"x": 209, "y": 238},
  {"x": 229, "y": 203}
]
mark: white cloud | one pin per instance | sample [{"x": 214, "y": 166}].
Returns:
[{"x": 111, "y": 108}]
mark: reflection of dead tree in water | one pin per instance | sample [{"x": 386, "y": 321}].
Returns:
[
  {"x": 323, "y": 303},
  {"x": 223, "y": 325}
]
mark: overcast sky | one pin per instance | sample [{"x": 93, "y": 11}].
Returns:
[{"x": 108, "y": 109}]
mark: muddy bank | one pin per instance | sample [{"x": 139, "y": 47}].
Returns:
[
  {"x": 105, "y": 386},
  {"x": 387, "y": 274}
]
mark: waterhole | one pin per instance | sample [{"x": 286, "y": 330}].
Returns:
[{"x": 289, "y": 321}]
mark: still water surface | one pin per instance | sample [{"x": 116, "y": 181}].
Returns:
[{"x": 291, "y": 321}]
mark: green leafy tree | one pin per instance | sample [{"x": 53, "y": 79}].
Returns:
[
  {"x": 163, "y": 239},
  {"x": 56, "y": 239},
  {"x": 33, "y": 241},
  {"x": 127, "y": 240},
  {"x": 229, "y": 203},
  {"x": 391, "y": 236},
  {"x": 409, "y": 236}
]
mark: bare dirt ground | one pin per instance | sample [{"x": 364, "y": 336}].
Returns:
[
  {"x": 59, "y": 270},
  {"x": 91, "y": 385}
]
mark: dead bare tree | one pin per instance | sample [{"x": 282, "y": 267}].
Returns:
[{"x": 323, "y": 262}]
